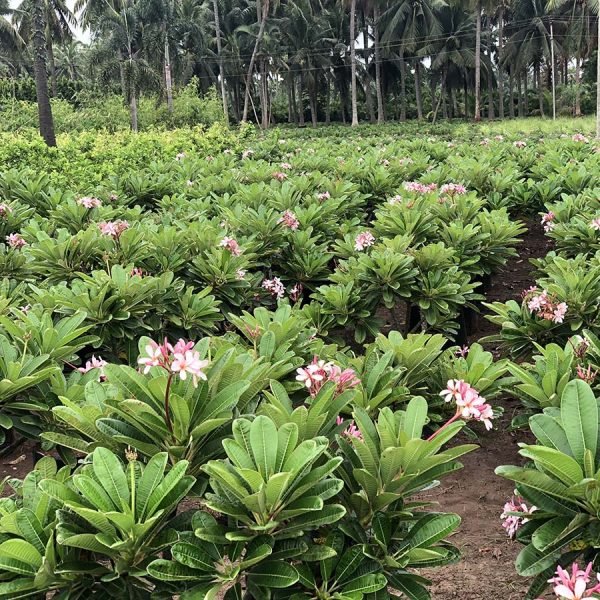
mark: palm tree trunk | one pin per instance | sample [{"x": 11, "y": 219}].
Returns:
[
  {"x": 368, "y": 80},
  {"x": 538, "y": 77},
  {"x": 133, "y": 111},
  {"x": 168, "y": 79},
  {"x": 598, "y": 90},
  {"x": 328, "y": 98},
  {"x": 353, "y": 62},
  {"x": 402, "y": 86},
  {"x": 500, "y": 53},
  {"x": 418, "y": 96},
  {"x": 520, "y": 95},
  {"x": 259, "y": 37},
  {"x": 301, "y": 101},
  {"x": 490, "y": 80},
  {"x": 466, "y": 94},
  {"x": 293, "y": 99},
  {"x": 511, "y": 93},
  {"x": 478, "y": 62},
  {"x": 525, "y": 92},
  {"x": 378, "y": 81},
  {"x": 578, "y": 85},
  {"x": 41, "y": 77},
  {"x": 220, "y": 58},
  {"x": 51, "y": 63}
]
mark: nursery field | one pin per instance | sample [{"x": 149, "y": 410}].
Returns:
[{"x": 337, "y": 363}]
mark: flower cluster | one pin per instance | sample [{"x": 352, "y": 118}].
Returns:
[
  {"x": 586, "y": 375},
  {"x": 94, "y": 363},
  {"x": 279, "y": 176},
  {"x": 296, "y": 292},
  {"x": 180, "y": 156},
  {"x": 289, "y": 219},
  {"x": 137, "y": 272},
  {"x": 240, "y": 274},
  {"x": 16, "y": 241},
  {"x": 5, "y": 209},
  {"x": 512, "y": 522},
  {"x": 574, "y": 585},
  {"x": 469, "y": 404},
  {"x": 247, "y": 153},
  {"x": 453, "y": 189},
  {"x": 548, "y": 221},
  {"x": 321, "y": 196},
  {"x": 544, "y": 306},
  {"x": 352, "y": 431},
  {"x": 274, "y": 286},
  {"x": 285, "y": 166},
  {"x": 319, "y": 372},
  {"x": 180, "y": 359},
  {"x": 484, "y": 142},
  {"x": 579, "y": 137},
  {"x": 520, "y": 144},
  {"x": 363, "y": 240},
  {"x": 89, "y": 202},
  {"x": 113, "y": 228},
  {"x": 595, "y": 224},
  {"x": 231, "y": 245},
  {"x": 419, "y": 188}
]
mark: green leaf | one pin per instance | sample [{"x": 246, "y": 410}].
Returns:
[
  {"x": 263, "y": 441},
  {"x": 273, "y": 574},
  {"x": 109, "y": 471},
  {"x": 579, "y": 417}
]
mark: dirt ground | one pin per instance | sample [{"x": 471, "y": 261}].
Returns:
[{"x": 486, "y": 570}]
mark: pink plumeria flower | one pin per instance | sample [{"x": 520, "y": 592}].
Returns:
[
  {"x": 279, "y": 176},
  {"x": 231, "y": 245},
  {"x": 136, "y": 272},
  {"x": 155, "y": 357},
  {"x": 484, "y": 142},
  {"x": 578, "y": 137},
  {"x": 296, "y": 292},
  {"x": 321, "y": 196},
  {"x": 113, "y": 197},
  {"x": 586, "y": 375},
  {"x": 559, "y": 312},
  {"x": 240, "y": 274},
  {"x": 513, "y": 522},
  {"x": 285, "y": 166},
  {"x": 247, "y": 153},
  {"x": 189, "y": 363},
  {"x": 16, "y": 241},
  {"x": 89, "y": 202},
  {"x": 5, "y": 210},
  {"x": 25, "y": 308},
  {"x": 574, "y": 585},
  {"x": 180, "y": 156},
  {"x": 469, "y": 404},
  {"x": 397, "y": 199},
  {"x": 274, "y": 286},
  {"x": 114, "y": 229},
  {"x": 595, "y": 224},
  {"x": 520, "y": 144},
  {"x": 352, "y": 431},
  {"x": 462, "y": 352},
  {"x": 453, "y": 189},
  {"x": 289, "y": 219},
  {"x": 499, "y": 138},
  {"x": 548, "y": 221},
  {"x": 94, "y": 363},
  {"x": 363, "y": 240}
]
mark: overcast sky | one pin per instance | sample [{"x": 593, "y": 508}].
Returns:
[{"x": 82, "y": 36}]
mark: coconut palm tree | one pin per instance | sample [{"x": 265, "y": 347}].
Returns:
[
  {"x": 40, "y": 49},
  {"x": 408, "y": 24},
  {"x": 59, "y": 22}
]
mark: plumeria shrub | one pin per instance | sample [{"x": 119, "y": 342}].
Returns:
[{"x": 555, "y": 515}]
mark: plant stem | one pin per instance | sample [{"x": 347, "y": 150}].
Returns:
[
  {"x": 454, "y": 418},
  {"x": 167, "y": 411}
]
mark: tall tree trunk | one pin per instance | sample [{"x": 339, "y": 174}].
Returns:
[
  {"x": 378, "y": 79},
  {"x": 168, "y": 78},
  {"x": 293, "y": 98},
  {"x": 264, "y": 86},
  {"x": 368, "y": 80},
  {"x": 500, "y": 55},
  {"x": 526, "y": 92},
  {"x": 264, "y": 10},
  {"x": 220, "y": 57},
  {"x": 328, "y": 97},
  {"x": 418, "y": 96},
  {"x": 466, "y": 94},
  {"x": 312, "y": 93},
  {"x": 490, "y": 76},
  {"x": 511, "y": 93},
  {"x": 598, "y": 89},
  {"x": 520, "y": 95},
  {"x": 538, "y": 76},
  {"x": 41, "y": 76},
  {"x": 124, "y": 89},
  {"x": 478, "y": 62},
  {"x": 301, "y": 101},
  {"x": 454, "y": 103},
  {"x": 51, "y": 63},
  {"x": 578, "y": 84},
  {"x": 402, "y": 85},
  {"x": 353, "y": 62},
  {"x": 133, "y": 109}
]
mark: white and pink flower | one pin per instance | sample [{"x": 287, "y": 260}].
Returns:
[
  {"x": 230, "y": 244},
  {"x": 289, "y": 219},
  {"x": 513, "y": 522},
  {"x": 16, "y": 241},
  {"x": 363, "y": 240},
  {"x": 89, "y": 202},
  {"x": 274, "y": 286},
  {"x": 114, "y": 229}
]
